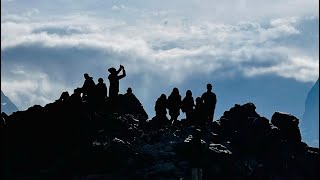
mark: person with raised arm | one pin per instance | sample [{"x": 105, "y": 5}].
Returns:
[{"x": 114, "y": 80}]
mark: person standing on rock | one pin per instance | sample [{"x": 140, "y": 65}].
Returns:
[
  {"x": 134, "y": 105},
  {"x": 101, "y": 89},
  {"x": 174, "y": 104},
  {"x": 132, "y": 98},
  {"x": 101, "y": 93},
  {"x": 88, "y": 87},
  {"x": 114, "y": 81},
  {"x": 188, "y": 104},
  {"x": 210, "y": 100},
  {"x": 199, "y": 113},
  {"x": 161, "y": 106}
]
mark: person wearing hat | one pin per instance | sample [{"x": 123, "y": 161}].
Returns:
[{"x": 114, "y": 80}]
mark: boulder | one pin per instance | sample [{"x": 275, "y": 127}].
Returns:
[{"x": 288, "y": 125}]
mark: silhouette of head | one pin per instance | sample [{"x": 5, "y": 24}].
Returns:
[
  {"x": 100, "y": 80},
  {"x": 77, "y": 91},
  {"x": 112, "y": 70},
  {"x": 189, "y": 93},
  {"x": 163, "y": 96},
  {"x": 129, "y": 90},
  {"x": 209, "y": 87},
  {"x": 175, "y": 91},
  {"x": 86, "y": 75},
  {"x": 198, "y": 100},
  {"x": 64, "y": 95}
]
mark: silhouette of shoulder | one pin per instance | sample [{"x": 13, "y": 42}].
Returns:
[{"x": 209, "y": 97}]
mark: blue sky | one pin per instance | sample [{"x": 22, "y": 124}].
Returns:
[{"x": 260, "y": 51}]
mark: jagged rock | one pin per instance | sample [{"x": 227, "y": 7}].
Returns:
[
  {"x": 129, "y": 105},
  {"x": 157, "y": 123},
  {"x": 2, "y": 122},
  {"x": 237, "y": 121},
  {"x": 111, "y": 144},
  {"x": 219, "y": 149},
  {"x": 288, "y": 125}
]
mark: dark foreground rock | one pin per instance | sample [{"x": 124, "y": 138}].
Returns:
[{"x": 64, "y": 140}]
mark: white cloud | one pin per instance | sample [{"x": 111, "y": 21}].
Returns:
[
  {"x": 204, "y": 44},
  {"x": 30, "y": 87},
  {"x": 171, "y": 51},
  {"x": 300, "y": 68}
]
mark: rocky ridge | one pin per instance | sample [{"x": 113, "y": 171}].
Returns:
[{"x": 71, "y": 140}]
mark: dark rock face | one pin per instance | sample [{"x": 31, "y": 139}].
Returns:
[
  {"x": 288, "y": 125},
  {"x": 65, "y": 140},
  {"x": 6, "y": 105}
]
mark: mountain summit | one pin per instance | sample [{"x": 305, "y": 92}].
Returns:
[
  {"x": 310, "y": 119},
  {"x": 6, "y": 105}
]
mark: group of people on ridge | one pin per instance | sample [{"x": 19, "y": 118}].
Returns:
[
  {"x": 202, "y": 109},
  {"x": 97, "y": 93}
]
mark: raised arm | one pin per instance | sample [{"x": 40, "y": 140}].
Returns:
[
  {"x": 118, "y": 71},
  {"x": 123, "y": 73}
]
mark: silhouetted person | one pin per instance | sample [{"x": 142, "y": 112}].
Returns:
[
  {"x": 101, "y": 93},
  {"x": 174, "y": 103},
  {"x": 209, "y": 98},
  {"x": 75, "y": 98},
  {"x": 199, "y": 113},
  {"x": 88, "y": 87},
  {"x": 161, "y": 106},
  {"x": 101, "y": 90},
  {"x": 114, "y": 81},
  {"x": 132, "y": 98},
  {"x": 134, "y": 104},
  {"x": 187, "y": 105},
  {"x": 64, "y": 96}
]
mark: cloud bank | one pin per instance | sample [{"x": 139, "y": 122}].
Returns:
[{"x": 45, "y": 55}]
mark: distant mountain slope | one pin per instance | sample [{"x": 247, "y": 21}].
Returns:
[
  {"x": 310, "y": 120},
  {"x": 6, "y": 105}
]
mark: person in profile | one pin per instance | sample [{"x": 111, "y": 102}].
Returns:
[
  {"x": 114, "y": 81},
  {"x": 209, "y": 99},
  {"x": 174, "y": 104},
  {"x": 188, "y": 104},
  {"x": 88, "y": 87},
  {"x": 161, "y": 106}
]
